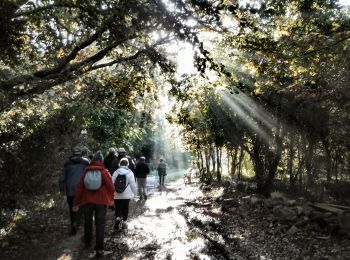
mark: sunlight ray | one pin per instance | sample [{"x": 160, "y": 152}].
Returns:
[
  {"x": 254, "y": 109},
  {"x": 229, "y": 102}
]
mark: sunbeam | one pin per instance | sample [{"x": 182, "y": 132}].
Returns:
[
  {"x": 251, "y": 114},
  {"x": 253, "y": 108}
]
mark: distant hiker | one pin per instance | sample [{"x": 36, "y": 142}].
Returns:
[
  {"x": 68, "y": 181},
  {"x": 122, "y": 154},
  {"x": 95, "y": 191},
  {"x": 141, "y": 172},
  {"x": 108, "y": 161},
  {"x": 125, "y": 190},
  {"x": 161, "y": 172}
]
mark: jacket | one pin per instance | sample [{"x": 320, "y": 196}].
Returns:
[
  {"x": 161, "y": 169},
  {"x": 71, "y": 173},
  {"x": 108, "y": 162},
  {"x": 102, "y": 196},
  {"x": 141, "y": 170},
  {"x": 131, "y": 189}
]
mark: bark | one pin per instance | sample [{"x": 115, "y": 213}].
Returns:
[
  {"x": 328, "y": 160},
  {"x": 290, "y": 163},
  {"x": 240, "y": 163},
  {"x": 309, "y": 161},
  {"x": 272, "y": 169},
  {"x": 218, "y": 163}
]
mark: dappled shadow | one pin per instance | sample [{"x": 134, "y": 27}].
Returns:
[{"x": 42, "y": 234}]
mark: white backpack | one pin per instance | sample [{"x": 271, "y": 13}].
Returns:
[{"x": 92, "y": 180}]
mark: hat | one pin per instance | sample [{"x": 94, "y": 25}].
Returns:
[
  {"x": 142, "y": 158},
  {"x": 85, "y": 150},
  {"x": 76, "y": 150},
  {"x": 98, "y": 157},
  {"x": 121, "y": 150},
  {"x": 111, "y": 150},
  {"x": 124, "y": 160}
]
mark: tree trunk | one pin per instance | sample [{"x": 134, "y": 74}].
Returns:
[
  {"x": 240, "y": 163},
  {"x": 328, "y": 160},
  {"x": 309, "y": 161},
  {"x": 290, "y": 164},
  {"x": 218, "y": 163},
  {"x": 258, "y": 164},
  {"x": 277, "y": 153}
]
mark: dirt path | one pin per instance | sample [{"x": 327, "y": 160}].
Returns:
[
  {"x": 180, "y": 222},
  {"x": 157, "y": 230}
]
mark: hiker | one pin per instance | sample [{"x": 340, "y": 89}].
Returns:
[
  {"x": 122, "y": 154},
  {"x": 95, "y": 191},
  {"x": 108, "y": 161},
  {"x": 141, "y": 172},
  {"x": 161, "y": 172},
  {"x": 68, "y": 180},
  {"x": 86, "y": 153},
  {"x": 125, "y": 190}
]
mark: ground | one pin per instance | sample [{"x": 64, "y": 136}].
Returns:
[{"x": 178, "y": 222}]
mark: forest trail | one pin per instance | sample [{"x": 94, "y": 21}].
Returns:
[
  {"x": 156, "y": 229},
  {"x": 178, "y": 222}
]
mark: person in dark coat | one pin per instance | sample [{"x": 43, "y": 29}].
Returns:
[
  {"x": 108, "y": 161},
  {"x": 122, "y": 154},
  {"x": 161, "y": 172},
  {"x": 68, "y": 180},
  {"x": 141, "y": 172}
]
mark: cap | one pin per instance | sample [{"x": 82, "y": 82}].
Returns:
[
  {"x": 85, "y": 150},
  {"x": 121, "y": 150},
  {"x": 76, "y": 150},
  {"x": 142, "y": 158},
  {"x": 111, "y": 150}
]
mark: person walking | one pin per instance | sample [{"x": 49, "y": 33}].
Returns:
[
  {"x": 161, "y": 172},
  {"x": 125, "y": 190},
  {"x": 86, "y": 153},
  {"x": 141, "y": 172},
  {"x": 68, "y": 181},
  {"x": 108, "y": 161},
  {"x": 122, "y": 154},
  {"x": 95, "y": 191}
]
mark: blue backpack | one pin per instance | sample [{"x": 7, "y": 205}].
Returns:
[{"x": 93, "y": 180}]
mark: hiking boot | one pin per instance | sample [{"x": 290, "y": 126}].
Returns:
[
  {"x": 124, "y": 225},
  {"x": 99, "y": 253},
  {"x": 117, "y": 224},
  {"x": 145, "y": 196}
]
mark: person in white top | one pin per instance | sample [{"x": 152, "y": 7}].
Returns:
[{"x": 125, "y": 186}]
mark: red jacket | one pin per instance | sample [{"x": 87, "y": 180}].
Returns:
[{"x": 103, "y": 196}]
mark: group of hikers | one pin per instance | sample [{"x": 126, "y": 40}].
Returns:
[{"x": 93, "y": 183}]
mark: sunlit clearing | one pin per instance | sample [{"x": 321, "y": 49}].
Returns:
[
  {"x": 251, "y": 114},
  {"x": 167, "y": 140}
]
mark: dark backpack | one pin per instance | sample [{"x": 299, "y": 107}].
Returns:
[{"x": 120, "y": 183}]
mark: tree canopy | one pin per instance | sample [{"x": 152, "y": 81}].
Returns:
[{"x": 269, "y": 98}]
